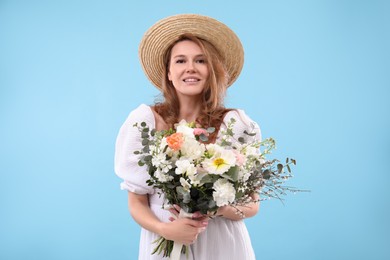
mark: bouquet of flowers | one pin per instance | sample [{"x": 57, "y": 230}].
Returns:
[{"x": 202, "y": 176}]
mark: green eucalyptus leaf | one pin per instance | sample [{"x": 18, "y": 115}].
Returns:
[
  {"x": 266, "y": 174},
  {"x": 212, "y": 204},
  {"x": 280, "y": 167},
  {"x": 146, "y": 149},
  {"x": 250, "y": 134},
  {"x": 210, "y": 130},
  {"x": 203, "y": 138},
  {"x": 140, "y": 163},
  {"x": 148, "y": 158},
  {"x": 294, "y": 161}
]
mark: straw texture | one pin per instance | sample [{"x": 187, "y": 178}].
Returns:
[{"x": 161, "y": 35}]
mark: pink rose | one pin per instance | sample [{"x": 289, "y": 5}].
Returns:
[
  {"x": 199, "y": 131},
  {"x": 240, "y": 158}
]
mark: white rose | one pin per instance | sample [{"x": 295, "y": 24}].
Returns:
[
  {"x": 192, "y": 149},
  {"x": 224, "y": 192}
]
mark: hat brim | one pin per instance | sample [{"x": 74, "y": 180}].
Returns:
[{"x": 165, "y": 32}]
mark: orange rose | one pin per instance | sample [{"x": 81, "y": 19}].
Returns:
[{"x": 175, "y": 141}]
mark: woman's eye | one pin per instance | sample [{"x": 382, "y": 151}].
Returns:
[
  {"x": 201, "y": 61},
  {"x": 180, "y": 61}
]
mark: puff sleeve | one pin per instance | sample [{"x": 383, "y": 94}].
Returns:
[
  {"x": 243, "y": 122},
  {"x": 126, "y": 162}
]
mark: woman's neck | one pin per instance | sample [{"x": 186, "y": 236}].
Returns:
[{"x": 189, "y": 109}]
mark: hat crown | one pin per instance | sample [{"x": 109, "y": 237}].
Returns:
[{"x": 165, "y": 32}]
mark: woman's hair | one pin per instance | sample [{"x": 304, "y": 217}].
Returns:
[{"x": 212, "y": 108}]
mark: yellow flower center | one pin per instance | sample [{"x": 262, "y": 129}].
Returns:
[{"x": 218, "y": 162}]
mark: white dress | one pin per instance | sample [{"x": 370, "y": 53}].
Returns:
[{"x": 223, "y": 238}]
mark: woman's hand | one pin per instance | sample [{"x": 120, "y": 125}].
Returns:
[
  {"x": 184, "y": 230},
  {"x": 240, "y": 212}
]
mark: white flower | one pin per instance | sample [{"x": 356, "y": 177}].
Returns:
[
  {"x": 220, "y": 162},
  {"x": 250, "y": 150},
  {"x": 162, "y": 177},
  {"x": 183, "y": 128},
  {"x": 182, "y": 166},
  {"x": 224, "y": 192},
  {"x": 186, "y": 186},
  {"x": 212, "y": 149},
  {"x": 192, "y": 149},
  {"x": 158, "y": 159}
]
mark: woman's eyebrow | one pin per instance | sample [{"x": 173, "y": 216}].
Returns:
[{"x": 183, "y": 56}]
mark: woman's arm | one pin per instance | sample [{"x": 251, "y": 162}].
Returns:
[
  {"x": 248, "y": 210},
  {"x": 182, "y": 230}
]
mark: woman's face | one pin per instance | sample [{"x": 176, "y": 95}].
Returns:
[{"x": 188, "y": 69}]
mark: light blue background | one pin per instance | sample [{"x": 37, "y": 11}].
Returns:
[{"x": 316, "y": 78}]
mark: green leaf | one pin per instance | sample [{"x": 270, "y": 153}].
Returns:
[
  {"x": 241, "y": 139},
  {"x": 203, "y": 138},
  {"x": 209, "y": 178},
  {"x": 210, "y": 130},
  {"x": 212, "y": 204},
  {"x": 266, "y": 174},
  {"x": 147, "y": 158},
  {"x": 145, "y": 149},
  {"x": 288, "y": 168},
  {"x": 136, "y": 152},
  {"x": 232, "y": 174},
  {"x": 280, "y": 167},
  {"x": 140, "y": 163},
  {"x": 143, "y": 124},
  {"x": 145, "y": 142},
  {"x": 294, "y": 161},
  {"x": 250, "y": 134}
]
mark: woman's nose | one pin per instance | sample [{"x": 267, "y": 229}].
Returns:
[{"x": 190, "y": 67}]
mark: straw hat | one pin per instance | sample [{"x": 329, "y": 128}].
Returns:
[{"x": 165, "y": 32}]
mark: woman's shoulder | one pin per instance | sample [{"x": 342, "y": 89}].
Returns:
[
  {"x": 143, "y": 113},
  {"x": 239, "y": 115}
]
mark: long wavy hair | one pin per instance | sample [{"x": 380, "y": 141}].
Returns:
[{"x": 212, "y": 108}]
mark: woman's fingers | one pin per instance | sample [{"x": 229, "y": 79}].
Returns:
[
  {"x": 174, "y": 212},
  {"x": 177, "y": 207}
]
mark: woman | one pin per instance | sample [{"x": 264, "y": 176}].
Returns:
[{"x": 192, "y": 59}]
